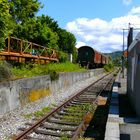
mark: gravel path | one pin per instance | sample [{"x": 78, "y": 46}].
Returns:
[{"x": 10, "y": 122}]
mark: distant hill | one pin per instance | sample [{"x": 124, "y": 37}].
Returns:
[{"x": 114, "y": 55}]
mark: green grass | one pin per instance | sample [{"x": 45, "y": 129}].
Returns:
[
  {"x": 109, "y": 67},
  {"x": 38, "y": 113},
  {"x": 82, "y": 110},
  {"x": 53, "y": 69}
]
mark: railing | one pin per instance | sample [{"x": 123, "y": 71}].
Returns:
[
  {"x": 22, "y": 51},
  {"x": 16, "y": 45}
]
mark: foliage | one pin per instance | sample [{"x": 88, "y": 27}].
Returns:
[
  {"x": 64, "y": 137},
  {"x": 21, "y": 10},
  {"x": 114, "y": 55},
  {"x": 36, "y": 31},
  {"x": 109, "y": 67},
  {"x": 5, "y": 71},
  {"x": 117, "y": 61},
  {"x": 31, "y": 70},
  {"x": 67, "y": 41},
  {"x": 38, "y": 113},
  {"x": 53, "y": 74},
  {"x": 49, "y": 22},
  {"x": 82, "y": 110},
  {"x": 63, "y": 57},
  {"x": 17, "y": 18},
  {"x": 4, "y": 21}
]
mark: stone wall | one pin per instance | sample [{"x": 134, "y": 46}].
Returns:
[{"x": 23, "y": 91}]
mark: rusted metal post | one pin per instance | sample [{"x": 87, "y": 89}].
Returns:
[
  {"x": 9, "y": 44},
  {"x": 31, "y": 48},
  {"x": 21, "y": 45}
]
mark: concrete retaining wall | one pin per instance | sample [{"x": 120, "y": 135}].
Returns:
[{"x": 14, "y": 94}]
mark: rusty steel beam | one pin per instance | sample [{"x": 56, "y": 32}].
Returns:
[{"x": 21, "y": 52}]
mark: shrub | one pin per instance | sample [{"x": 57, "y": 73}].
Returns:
[
  {"x": 63, "y": 57},
  {"x": 5, "y": 71},
  {"x": 109, "y": 67}
]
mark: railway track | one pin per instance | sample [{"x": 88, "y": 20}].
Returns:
[{"x": 69, "y": 120}]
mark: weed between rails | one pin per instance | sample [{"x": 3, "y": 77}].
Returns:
[
  {"x": 79, "y": 112},
  {"x": 39, "y": 113}
]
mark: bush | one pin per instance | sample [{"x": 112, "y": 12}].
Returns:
[
  {"x": 63, "y": 57},
  {"x": 109, "y": 67},
  {"x": 5, "y": 71},
  {"x": 53, "y": 75}
]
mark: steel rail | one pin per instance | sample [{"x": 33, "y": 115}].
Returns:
[
  {"x": 83, "y": 124},
  {"x": 37, "y": 124}
]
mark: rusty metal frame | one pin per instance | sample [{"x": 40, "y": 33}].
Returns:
[{"x": 22, "y": 48}]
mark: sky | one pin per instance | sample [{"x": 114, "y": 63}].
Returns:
[{"x": 95, "y": 23}]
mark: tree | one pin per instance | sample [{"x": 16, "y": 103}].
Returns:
[
  {"x": 49, "y": 22},
  {"x": 35, "y": 31},
  {"x": 67, "y": 41},
  {"x": 4, "y": 21},
  {"x": 17, "y": 17},
  {"x": 21, "y": 10}
]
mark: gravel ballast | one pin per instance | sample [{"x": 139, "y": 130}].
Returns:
[{"x": 10, "y": 122}]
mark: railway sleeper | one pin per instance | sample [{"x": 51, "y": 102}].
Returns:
[
  {"x": 83, "y": 101},
  {"x": 33, "y": 138},
  {"x": 73, "y": 111},
  {"x": 86, "y": 99},
  {"x": 88, "y": 96},
  {"x": 70, "y": 119},
  {"x": 78, "y": 103},
  {"x": 63, "y": 122},
  {"x": 58, "y": 128},
  {"x": 52, "y": 133},
  {"x": 62, "y": 116},
  {"x": 68, "y": 113},
  {"x": 53, "y": 127}
]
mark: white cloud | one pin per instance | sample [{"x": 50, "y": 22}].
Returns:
[
  {"x": 127, "y": 2},
  {"x": 79, "y": 44},
  {"x": 135, "y": 11},
  {"x": 104, "y": 36}
]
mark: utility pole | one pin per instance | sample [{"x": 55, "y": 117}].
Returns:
[
  {"x": 123, "y": 46},
  {"x": 123, "y": 56}
]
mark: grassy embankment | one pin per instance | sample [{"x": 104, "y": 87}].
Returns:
[
  {"x": 53, "y": 69},
  {"x": 30, "y": 70}
]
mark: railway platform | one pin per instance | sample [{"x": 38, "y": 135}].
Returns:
[{"x": 122, "y": 123}]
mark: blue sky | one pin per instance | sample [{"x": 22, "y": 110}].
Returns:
[{"x": 97, "y": 23}]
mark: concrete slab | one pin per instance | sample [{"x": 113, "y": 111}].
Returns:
[
  {"x": 115, "y": 88},
  {"x": 112, "y": 126},
  {"x": 116, "y": 119},
  {"x": 112, "y": 130},
  {"x": 111, "y": 138}
]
